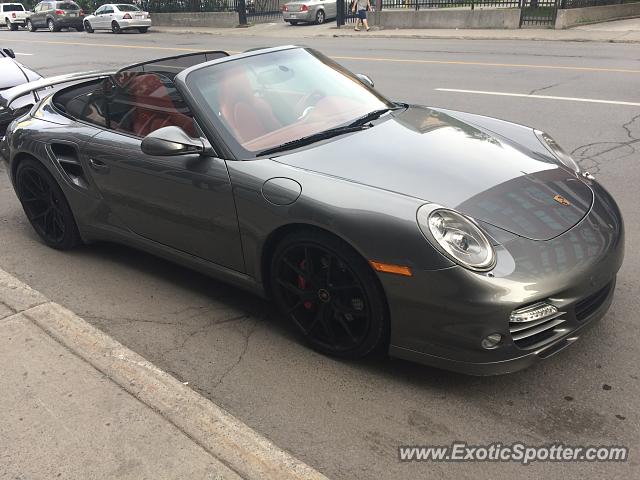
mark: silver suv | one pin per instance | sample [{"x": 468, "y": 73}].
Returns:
[{"x": 55, "y": 16}]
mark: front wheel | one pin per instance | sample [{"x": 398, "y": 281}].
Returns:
[
  {"x": 320, "y": 17},
  {"x": 88, "y": 28},
  {"x": 46, "y": 206},
  {"x": 52, "y": 26},
  {"x": 330, "y": 293},
  {"x": 115, "y": 28},
  {"x": 143, "y": 29},
  {"x": 30, "y": 26},
  {"x": 79, "y": 29}
]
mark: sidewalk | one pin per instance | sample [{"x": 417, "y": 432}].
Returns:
[
  {"x": 620, "y": 31},
  {"x": 76, "y": 404}
]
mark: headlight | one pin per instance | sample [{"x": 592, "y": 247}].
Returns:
[
  {"x": 459, "y": 237},
  {"x": 557, "y": 151}
]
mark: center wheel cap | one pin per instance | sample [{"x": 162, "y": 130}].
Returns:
[{"x": 323, "y": 295}]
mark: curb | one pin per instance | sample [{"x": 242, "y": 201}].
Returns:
[
  {"x": 238, "y": 447},
  {"x": 463, "y": 35}
]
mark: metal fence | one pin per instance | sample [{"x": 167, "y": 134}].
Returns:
[
  {"x": 591, "y": 3},
  {"x": 424, "y": 4}
]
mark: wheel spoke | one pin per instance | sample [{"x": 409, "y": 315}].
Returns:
[
  {"x": 308, "y": 262},
  {"x": 298, "y": 270},
  {"x": 44, "y": 213},
  {"x": 302, "y": 294},
  {"x": 328, "y": 328},
  {"x": 317, "y": 319},
  {"x": 345, "y": 327}
]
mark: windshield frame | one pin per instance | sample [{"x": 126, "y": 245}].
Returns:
[{"x": 199, "y": 104}]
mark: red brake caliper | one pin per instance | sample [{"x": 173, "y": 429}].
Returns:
[{"x": 302, "y": 285}]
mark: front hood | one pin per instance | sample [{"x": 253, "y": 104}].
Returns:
[
  {"x": 430, "y": 155},
  {"x": 12, "y": 74}
]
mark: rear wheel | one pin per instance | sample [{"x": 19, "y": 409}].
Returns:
[
  {"x": 88, "y": 28},
  {"x": 330, "y": 293},
  {"x": 46, "y": 206},
  {"x": 11, "y": 26},
  {"x": 143, "y": 29},
  {"x": 30, "y": 26},
  {"x": 79, "y": 29},
  {"x": 320, "y": 17},
  {"x": 115, "y": 28}
]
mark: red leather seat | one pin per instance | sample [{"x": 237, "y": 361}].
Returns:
[
  {"x": 153, "y": 107},
  {"x": 248, "y": 116}
]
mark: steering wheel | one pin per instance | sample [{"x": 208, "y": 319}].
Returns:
[{"x": 307, "y": 103}]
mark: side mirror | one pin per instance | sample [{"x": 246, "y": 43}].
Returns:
[
  {"x": 170, "y": 141},
  {"x": 365, "y": 79},
  {"x": 10, "y": 53}
]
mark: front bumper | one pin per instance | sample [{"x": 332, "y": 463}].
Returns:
[{"x": 440, "y": 317}]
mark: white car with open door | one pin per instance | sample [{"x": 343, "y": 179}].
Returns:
[{"x": 117, "y": 18}]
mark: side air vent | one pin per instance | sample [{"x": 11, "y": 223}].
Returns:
[
  {"x": 589, "y": 305},
  {"x": 69, "y": 161}
]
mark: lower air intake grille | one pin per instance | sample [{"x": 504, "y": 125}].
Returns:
[
  {"x": 536, "y": 333},
  {"x": 586, "y": 307}
]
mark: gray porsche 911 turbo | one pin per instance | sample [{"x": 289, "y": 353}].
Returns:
[{"x": 446, "y": 238}]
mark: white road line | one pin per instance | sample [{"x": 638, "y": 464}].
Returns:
[
  {"x": 544, "y": 97},
  {"x": 24, "y": 54}
]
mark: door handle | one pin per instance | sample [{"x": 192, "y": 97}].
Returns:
[{"x": 98, "y": 165}]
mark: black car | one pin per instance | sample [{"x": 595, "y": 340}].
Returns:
[{"x": 13, "y": 74}]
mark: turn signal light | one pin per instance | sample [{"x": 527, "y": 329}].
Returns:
[
  {"x": 285, "y": 9},
  {"x": 391, "y": 268},
  {"x": 304, "y": 8},
  {"x": 126, "y": 16},
  {"x": 13, "y": 15},
  {"x": 59, "y": 12},
  {"x": 534, "y": 312}
]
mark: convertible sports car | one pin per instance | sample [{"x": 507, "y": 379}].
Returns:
[
  {"x": 13, "y": 74},
  {"x": 448, "y": 238}
]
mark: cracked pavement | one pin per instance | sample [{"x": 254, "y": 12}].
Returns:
[{"x": 348, "y": 418}]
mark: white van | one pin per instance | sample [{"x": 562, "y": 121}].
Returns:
[{"x": 13, "y": 15}]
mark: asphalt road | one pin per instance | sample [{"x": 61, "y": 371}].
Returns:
[{"x": 347, "y": 418}]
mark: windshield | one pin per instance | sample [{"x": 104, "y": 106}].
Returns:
[
  {"x": 267, "y": 100},
  {"x": 128, "y": 8},
  {"x": 13, "y": 8}
]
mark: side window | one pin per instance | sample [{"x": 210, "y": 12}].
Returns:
[
  {"x": 87, "y": 102},
  {"x": 108, "y": 10},
  {"x": 100, "y": 11},
  {"x": 144, "y": 102}
]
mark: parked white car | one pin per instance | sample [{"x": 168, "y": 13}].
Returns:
[
  {"x": 14, "y": 15},
  {"x": 118, "y": 17},
  {"x": 310, "y": 11}
]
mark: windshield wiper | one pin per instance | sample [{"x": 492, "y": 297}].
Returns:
[
  {"x": 316, "y": 137},
  {"x": 375, "y": 115}
]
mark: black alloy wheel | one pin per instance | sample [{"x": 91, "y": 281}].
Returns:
[
  {"x": 143, "y": 29},
  {"x": 88, "y": 28},
  {"x": 45, "y": 206},
  {"x": 115, "y": 28},
  {"x": 330, "y": 293}
]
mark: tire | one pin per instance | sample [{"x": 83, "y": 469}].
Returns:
[
  {"x": 11, "y": 26},
  {"x": 30, "y": 26},
  {"x": 330, "y": 293},
  {"x": 88, "y": 28},
  {"x": 320, "y": 17},
  {"x": 45, "y": 205},
  {"x": 52, "y": 26},
  {"x": 143, "y": 29},
  {"x": 293, "y": 22},
  {"x": 115, "y": 28},
  {"x": 80, "y": 29}
]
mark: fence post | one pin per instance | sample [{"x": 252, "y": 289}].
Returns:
[
  {"x": 242, "y": 12},
  {"x": 378, "y": 5},
  {"x": 340, "y": 6},
  {"x": 473, "y": 4}
]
